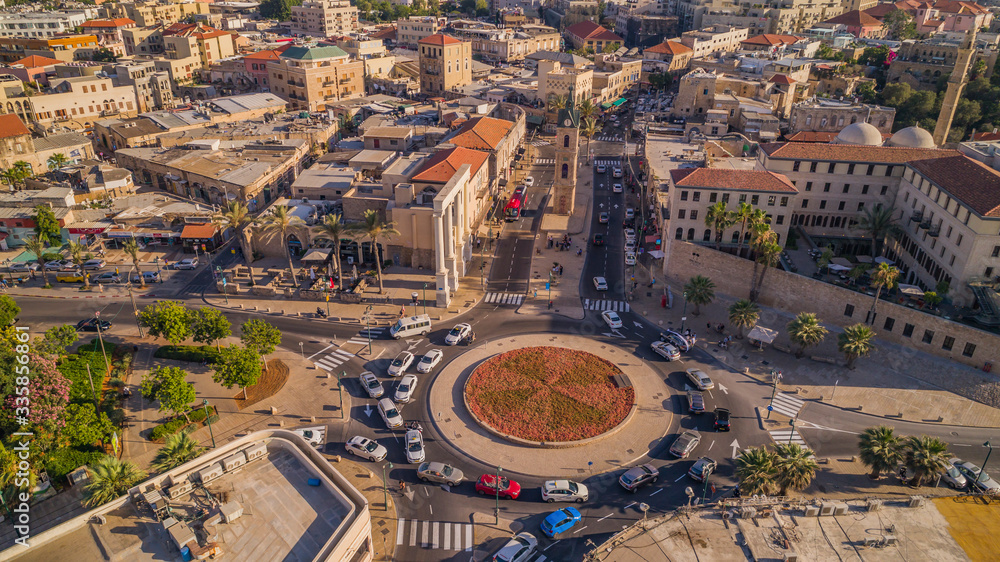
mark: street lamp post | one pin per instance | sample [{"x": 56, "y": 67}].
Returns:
[
  {"x": 208, "y": 419},
  {"x": 340, "y": 390},
  {"x": 385, "y": 489},
  {"x": 791, "y": 433},
  {"x": 497, "y": 496},
  {"x": 684, "y": 311},
  {"x": 302, "y": 350},
  {"x": 989, "y": 450},
  {"x": 775, "y": 377},
  {"x": 368, "y": 326},
  {"x": 135, "y": 310},
  {"x": 107, "y": 366},
  {"x": 425, "y": 298}
]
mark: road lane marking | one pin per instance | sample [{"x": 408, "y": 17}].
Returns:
[
  {"x": 605, "y": 517},
  {"x": 681, "y": 478},
  {"x": 320, "y": 351},
  {"x": 550, "y": 546},
  {"x": 434, "y": 536},
  {"x": 423, "y": 535},
  {"x": 446, "y": 539},
  {"x": 468, "y": 538},
  {"x": 710, "y": 445},
  {"x": 400, "y": 527},
  {"x": 656, "y": 492},
  {"x": 431, "y": 508},
  {"x": 413, "y": 532},
  {"x": 630, "y": 505},
  {"x": 580, "y": 529}
]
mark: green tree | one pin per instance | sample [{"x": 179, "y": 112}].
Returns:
[
  {"x": 855, "y": 341},
  {"x": 208, "y": 325},
  {"x": 719, "y": 218},
  {"x": 178, "y": 449},
  {"x": 755, "y": 471},
  {"x": 104, "y": 55},
  {"x": 900, "y": 25},
  {"x": 884, "y": 276},
  {"x": 468, "y": 7},
  {"x": 168, "y": 319},
  {"x": 237, "y": 216},
  {"x": 925, "y": 457},
  {"x": 79, "y": 255},
  {"x": 743, "y": 215},
  {"x": 170, "y": 387},
  {"x": 280, "y": 10},
  {"x": 374, "y": 229},
  {"x": 805, "y": 331},
  {"x": 47, "y": 225},
  {"x": 17, "y": 173},
  {"x": 587, "y": 109},
  {"x": 743, "y": 314},
  {"x": 280, "y": 223},
  {"x": 482, "y": 8},
  {"x": 878, "y": 223},
  {"x": 932, "y": 299},
  {"x": 260, "y": 336},
  {"x": 661, "y": 80},
  {"x": 794, "y": 465},
  {"x": 237, "y": 366},
  {"x": 110, "y": 478},
  {"x": 880, "y": 450},
  {"x": 896, "y": 94},
  {"x": 85, "y": 426},
  {"x": 37, "y": 246},
  {"x": 333, "y": 228},
  {"x": 875, "y": 56},
  {"x": 867, "y": 92},
  {"x": 589, "y": 128},
  {"x": 8, "y": 311},
  {"x": 698, "y": 291},
  {"x": 767, "y": 250},
  {"x": 56, "y": 339},
  {"x": 611, "y": 47},
  {"x": 558, "y": 102},
  {"x": 56, "y": 161},
  {"x": 131, "y": 248}
]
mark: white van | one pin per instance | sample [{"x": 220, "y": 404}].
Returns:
[{"x": 419, "y": 325}]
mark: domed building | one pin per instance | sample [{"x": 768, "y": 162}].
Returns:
[
  {"x": 859, "y": 133},
  {"x": 912, "y": 137}
]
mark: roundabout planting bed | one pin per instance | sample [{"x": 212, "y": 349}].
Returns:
[{"x": 548, "y": 394}]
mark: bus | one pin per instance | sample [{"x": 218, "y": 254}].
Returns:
[{"x": 515, "y": 207}]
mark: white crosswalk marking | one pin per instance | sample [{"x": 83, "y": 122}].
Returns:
[
  {"x": 436, "y": 535},
  {"x": 607, "y": 163},
  {"x": 545, "y": 161},
  {"x": 365, "y": 333},
  {"x": 334, "y": 359},
  {"x": 539, "y": 143},
  {"x": 602, "y": 305},
  {"x": 787, "y": 405},
  {"x": 785, "y": 436},
  {"x": 503, "y": 298}
]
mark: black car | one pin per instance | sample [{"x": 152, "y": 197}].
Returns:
[
  {"x": 721, "y": 419},
  {"x": 696, "y": 403},
  {"x": 90, "y": 325},
  {"x": 598, "y": 239},
  {"x": 639, "y": 476}
]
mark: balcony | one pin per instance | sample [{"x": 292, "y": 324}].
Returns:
[
  {"x": 345, "y": 80},
  {"x": 431, "y": 72},
  {"x": 925, "y": 224},
  {"x": 934, "y": 231},
  {"x": 917, "y": 216}
]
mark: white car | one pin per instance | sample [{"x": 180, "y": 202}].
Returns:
[
  {"x": 187, "y": 263},
  {"x": 404, "y": 390},
  {"x": 618, "y": 172},
  {"x": 629, "y": 213},
  {"x": 401, "y": 363},
  {"x": 665, "y": 350},
  {"x": 617, "y": 188},
  {"x": 630, "y": 247},
  {"x": 612, "y": 319},
  {"x": 429, "y": 360},
  {"x": 96, "y": 263},
  {"x": 518, "y": 549},
  {"x": 371, "y": 384},
  {"x": 366, "y": 448},
  {"x": 630, "y": 234},
  {"x": 390, "y": 415},
  {"x": 601, "y": 169},
  {"x": 457, "y": 334},
  {"x": 54, "y": 265},
  {"x": 700, "y": 380},
  {"x": 630, "y": 258},
  {"x": 414, "y": 446},
  {"x": 600, "y": 283},
  {"x": 529, "y": 181},
  {"x": 564, "y": 491},
  {"x": 315, "y": 436}
]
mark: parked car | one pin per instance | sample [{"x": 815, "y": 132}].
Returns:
[
  {"x": 564, "y": 491},
  {"x": 600, "y": 283},
  {"x": 721, "y": 419},
  {"x": 23, "y": 267},
  {"x": 629, "y": 213},
  {"x": 187, "y": 263},
  {"x": 598, "y": 239},
  {"x": 629, "y": 258},
  {"x": 414, "y": 446},
  {"x": 457, "y": 334},
  {"x": 604, "y": 217},
  {"x": 147, "y": 276},
  {"x": 696, "y": 402},
  {"x": 371, "y": 384},
  {"x": 560, "y": 521},
  {"x": 684, "y": 444},
  {"x": 630, "y": 234},
  {"x": 612, "y": 319},
  {"x": 429, "y": 360},
  {"x": 638, "y": 476},
  {"x": 440, "y": 473},
  {"x": 618, "y": 172},
  {"x": 366, "y": 448},
  {"x": 518, "y": 549},
  {"x": 405, "y": 388},
  {"x": 977, "y": 478},
  {"x": 665, "y": 350},
  {"x": 315, "y": 436},
  {"x": 90, "y": 325},
  {"x": 702, "y": 469},
  {"x": 108, "y": 277},
  {"x": 69, "y": 266},
  {"x": 700, "y": 380},
  {"x": 390, "y": 415},
  {"x": 952, "y": 476},
  {"x": 488, "y": 485},
  {"x": 54, "y": 265},
  {"x": 400, "y": 364},
  {"x": 96, "y": 263}
]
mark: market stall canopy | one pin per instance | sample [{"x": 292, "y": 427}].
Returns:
[
  {"x": 656, "y": 254},
  {"x": 863, "y": 259},
  {"x": 762, "y": 334},
  {"x": 880, "y": 259},
  {"x": 316, "y": 254},
  {"x": 911, "y": 290},
  {"x": 837, "y": 267},
  {"x": 842, "y": 261}
]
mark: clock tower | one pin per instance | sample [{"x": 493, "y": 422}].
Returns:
[{"x": 567, "y": 151}]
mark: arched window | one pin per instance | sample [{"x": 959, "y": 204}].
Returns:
[
  {"x": 854, "y": 120},
  {"x": 736, "y": 236},
  {"x": 690, "y": 234},
  {"x": 707, "y": 236},
  {"x": 566, "y": 141},
  {"x": 679, "y": 234},
  {"x": 565, "y": 170}
]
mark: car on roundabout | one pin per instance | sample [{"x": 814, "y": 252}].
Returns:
[
  {"x": 665, "y": 350},
  {"x": 684, "y": 444},
  {"x": 702, "y": 469},
  {"x": 722, "y": 417},
  {"x": 638, "y": 476},
  {"x": 429, "y": 360},
  {"x": 564, "y": 491},
  {"x": 520, "y": 548},
  {"x": 366, "y": 448},
  {"x": 612, "y": 319},
  {"x": 440, "y": 473},
  {"x": 389, "y": 413},
  {"x": 560, "y": 521},
  {"x": 699, "y": 379},
  {"x": 696, "y": 402},
  {"x": 457, "y": 334},
  {"x": 414, "y": 442},
  {"x": 405, "y": 388},
  {"x": 676, "y": 340},
  {"x": 371, "y": 384},
  {"x": 400, "y": 364},
  {"x": 489, "y": 485}
]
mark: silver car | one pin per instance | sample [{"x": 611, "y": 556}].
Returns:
[
  {"x": 366, "y": 448},
  {"x": 390, "y": 414},
  {"x": 518, "y": 549},
  {"x": 400, "y": 364},
  {"x": 414, "y": 446},
  {"x": 684, "y": 444},
  {"x": 700, "y": 380},
  {"x": 371, "y": 384},
  {"x": 564, "y": 491},
  {"x": 978, "y": 479},
  {"x": 405, "y": 388},
  {"x": 429, "y": 361},
  {"x": 440, "y": 473}
]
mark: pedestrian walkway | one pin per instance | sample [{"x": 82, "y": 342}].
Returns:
[
  {"x": 504, "y": 298},
  {"x": 787, "y": 405},
  {"x": 545, "y": 161},
  {"x": 334, "y": 359},
  {"x": 608, "y": 163},
  {"x": 366, "y": 334},
  {"x": 540, "y": 143},
  {"x": 435, "y": 535},
  {"x": 786, "y": 436},
  {"x": 609, "y": 138},
  {"x": 617, "y": 306}
]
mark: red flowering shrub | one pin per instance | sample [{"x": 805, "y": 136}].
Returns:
[{"x": 548, "y": 394}]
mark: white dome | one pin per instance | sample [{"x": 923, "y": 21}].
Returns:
[
  {"x": 859, "y": 133},
  {"x": 912, "y": 137}
]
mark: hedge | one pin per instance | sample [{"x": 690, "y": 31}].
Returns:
[
  {"x": 194, "y": 353},
  {"x": 167, "y": 429},
  {"x": 198, "y": 415},
  {"x": 74, "y": 368},
  {"x": 61, "y": 462}
]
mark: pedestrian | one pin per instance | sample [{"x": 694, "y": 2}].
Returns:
[
  {"x": 709, "y": 325},
  {"x": 536, "y": 293}
]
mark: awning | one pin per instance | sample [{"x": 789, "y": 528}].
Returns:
[
  {"x": 762, "y": 334},
  {"x": 198, "y": 231},
  {"x": 656, "y": 254},
  {"x": 618, "y": 102},
  {"x": 842, "y": 261},
  {"x": 316, "y": 254},
  {"x": 502, "y": 182},
  {"x": 119, "y": 234},
  {"x": 863, "y": 259},
  {"x": 605, "y": 105},
  {"x": 838, "y": 267},
  {"x": 880, "y": 259},
  {"x": 534, "y": 119},
  {"x": 911, "y": 290}
]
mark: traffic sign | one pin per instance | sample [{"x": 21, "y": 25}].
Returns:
[{"x": 770, "y": 408}]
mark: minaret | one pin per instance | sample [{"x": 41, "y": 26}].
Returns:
[
  {"x": 956, "y": 82},
  {"x": 567, "y": 151}
]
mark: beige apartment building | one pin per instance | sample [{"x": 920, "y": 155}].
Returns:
[
  {"x": 613, "y": 76},
  {"x": 714, "y": 40},
  {"x": 445, "y": 63},
  {"x": 80, "y": 101},
  {"x": 505, "y": 45},
  {"x": 361, "y": 47},
  {"x": 832, "y": 116},
  {"x": 789, "y": 16},
  {"x": 309, "y": 77},
  {"x": 324, "y": 18},
  {"x": 152, "y": 13},
  {"x": 182, "y": 41},
  {"x": 410, "y": 31},
  {"x": 143, "y": 41}
]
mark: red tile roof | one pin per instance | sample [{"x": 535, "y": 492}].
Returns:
[
  {"x": 270, "y": 54},
  {"x": 481, "y": 133},
  {"x": 439, "y": 39},
  {"x": 959, "y": 7},
  {"x": 855, "y": 18},
  {"x": 197, "y": 30},
  {"x": 879, "y": 11},
  {"x": 986, "y": 136},
  {"x": 851, "y": 152},
  {"x": 36, "y": 61},
  {"x": 781, "y": 79},
  {"x": 770, "y": 40},
  {"x": 590, "y": 31},
  {"x": 116, "y": 22},
  {"x": 386, "y": 33},
  {"x": 812, "y": 136},
  {"x": 198, "y": 231},
  {"x": 669, "y": 48},
  {"x": 12, "y": 126},
  {"x": 971, "y": 182},
  {"x": 442, "y": 166},
  {"x": 725, "y": 178}
]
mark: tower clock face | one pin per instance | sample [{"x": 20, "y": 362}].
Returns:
[{"x": 568, "y": 122}]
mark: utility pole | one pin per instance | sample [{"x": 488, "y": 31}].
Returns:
[
  {"x": 340, "y": 390},
  {"x": 107, "y": 366},
  {"x": 135, "y": 310},
  {"x": 208, "y": 420},
  {"x": 385, "y": 489},
  {"x": 425, "y": 298},
  {"x": 775, "y": 377},
  {"x": 368, "y": 326},
  {"x": 497, "y": 496}
]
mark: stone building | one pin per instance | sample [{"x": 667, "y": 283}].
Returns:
[
  {"x": 499, "y": 138},
  {"x": 711, "y": 41},
  {"x": 589, "y": 35},
  {"x": 324, "y": 18},
  {"x": 832, "y": 116},
  {"x": 310, "y": 77},
  {"x": 410, "y": 31},
  {"x": 445, "y": 63},
  {"x": 676, "y": 55},
  {"x": 567, "y": 146}
]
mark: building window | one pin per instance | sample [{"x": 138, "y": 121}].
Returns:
[
  {"x": 770, "y": 200},
  {"x": 822, "y": 204},
  {"x": 696, "y": 196},
  {"x": 684, "y": 196},
  {"x": 888, "y": 170},
  {"x": 694, "y": 214},
  {"x": 847, "y": 188},
  {"x": 885, "y": 188},
  {"x": 949, "y": 342},
  {"x": 805, "y": 203},
  {"x": 795, "y": 166},
  {"x": 861, "y": 207},
  {"x": 681, "y": 213},
  {"x": 871, "y": 170},
  {"x": 566, "y": 141},
  {"x": 712, "y": 197},
  {"x": 908, "y": 330},
  {"x": 996, "y": 251},
  {"x": 826, "y": 188},
  {"x": 830, "y": 169},
  {"x": 849, "y": 310},
  {"x": 809, "y": 186},
  {"x": 754, "y": 199},
  {"x": 784, "y": 202},
  {"x": 690, "y": 234},
  {"x": 565, "y": 171},
  {"x": 970, "y": 348},
  {"x": 988, "y": 272},
  {"x": 928, "y": 336},
  {"x": 812, "y": 167},
  {"x": 707, "y": 236},
  {"x": 679, "y": 234},
  {"x": 850, "y": 169},
  {"x": 780, "y": 219},
  {"x": 864, "y": 190},
  {"x": 840, "y": 207},
  {"x": 889, "y": 323},
  {"x": 958, "y": 241}
]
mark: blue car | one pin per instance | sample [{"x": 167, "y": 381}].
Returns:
[{"x": 560, "y": 521}]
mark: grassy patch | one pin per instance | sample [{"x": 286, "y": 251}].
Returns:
[{"x": 193, "y": 353}]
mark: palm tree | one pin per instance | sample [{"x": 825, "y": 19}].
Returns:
[
  {"x": 855, "y": 341},
  {"x": 587, "y": 109},
  {"x": 333, "y": 228},
  {"x": 881, "y": 450},
  {"x": 755, "y": 471},
  {"x": 742, "y": 216},
  {"x": 110, "y": 478},
  {"x": 884, "y": 276},
  {"x": 375, "y": 229},
  {"x": 179, "y": 449},
  {"x": 57, "y": 161},
  {"x": 589, "y": 129},
  {"x": 131, "y": 248},
  {"x": 76, "y": 252},
  {"x": 794, "y": 465},
  {"x": 281, "y": 222},
  {"x": 805, "y": 331},
  {"x": 925, "y": 456},
  {"x": 767, "y": 250},
  {"x": 698, "y": 291},
  {"x": 720, "y": 219},
  {"x": 20, "y": 171},
  {"x": 743, "y": 314},
  {"x": 237, "y": 216},
  {"x": 558, "y": 102},
  {"x": 36, "y": 246},
  {"x": 877, "y": 224}
]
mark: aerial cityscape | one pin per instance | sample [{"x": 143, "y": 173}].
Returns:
[{"x": 509, "y": 280}]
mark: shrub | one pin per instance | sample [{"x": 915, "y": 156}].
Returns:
[
  {"x": 198, "y": 415},
  {"x": 169, "y": 428},
  {"x": 74, "y": 368},
  {"x": 213, "y": 419},
  {"x": 53, "y": 256},
  {"x": 194, "y": 353},
  {"x": 60, "y": 462}
]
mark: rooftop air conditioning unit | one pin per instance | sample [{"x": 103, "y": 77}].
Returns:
[
  {"x": 890, "y": 540},
  {"x": 840, "y": 509},
  {"x": 916, "y": 501},
  {"x": 826, "y": 509},
  {"x": 748, "y": 513},
  {"x": 873, "y": 505},
  {"x": 812, "y": 511}
]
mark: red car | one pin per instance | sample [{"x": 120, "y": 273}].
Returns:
[{"x": 487, "y": 484}]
